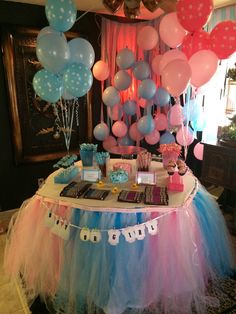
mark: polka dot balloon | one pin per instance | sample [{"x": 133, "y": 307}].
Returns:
[
  {"x": 47, "y": 85},
  {"x": 223, "y": 39},
  {"x": 192, "y": 14},
  {"x": 199, "y": 40},
  {"x": 77, "y": 79},
  {"x": 61, "y": 14}
]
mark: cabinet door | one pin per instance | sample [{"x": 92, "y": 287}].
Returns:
[
  {"x": 219, "y": 166},
  {"x": 216, "y": 170}
]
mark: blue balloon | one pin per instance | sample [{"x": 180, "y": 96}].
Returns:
[
  {"x": 111, "y": 96},
  {"x": 146, "y": 124},
  {"x": 147, "y": 89},
  {"x": 125, "y": 141},
  {"x": 66, "y": 95},
  {"x": 199, "y": 125},
  {"x": 141, "y": 70},
  {"x": 61, "y": 15},
  {"x": 130, "y": 107},
  {"x": 101, "y": 131},
  {"x": 47, "y": 85},
  {"x": 167, "y": 138},
  {"x": 162, "y": 97},
  {"x": 122, "y": 80},
  {"x": 53, "y": 52},
  {"x": 49, "y": 30},
  {"x": 125, "y": 59},
  {"x": 81, "y": 51},
  {"x": 77, "y": 79}
]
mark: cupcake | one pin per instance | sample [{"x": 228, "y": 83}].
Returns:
[
  {"x": 180, "y": 163},
  {"x": 182, "y": 170},
  {"x": 170, "y": 170},
  {"x": 171, "y": 167}
]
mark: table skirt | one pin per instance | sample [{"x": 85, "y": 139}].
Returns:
[{"x": 167, "y": 272}]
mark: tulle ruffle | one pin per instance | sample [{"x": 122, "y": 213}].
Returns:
[
  {"x": 32, "y": 251},
  {"x": 168, "y": 272},
  {"x": 214, "y": 233}
]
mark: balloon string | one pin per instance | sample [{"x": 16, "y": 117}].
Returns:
[
  {"x": 63, "y": 124},
  {"x": 67, "y": 116},
  {"x": 101, "y": 113},
  {"x": 71, "y": 124},
  {"x": 82, "y": 15}
]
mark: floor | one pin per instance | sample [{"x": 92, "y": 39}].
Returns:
[
  {"x": 12, "y": 299},
  {"x": 11, "y": 296}
]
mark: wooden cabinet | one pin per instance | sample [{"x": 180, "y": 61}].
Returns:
[{"x": 219, "y": 165}]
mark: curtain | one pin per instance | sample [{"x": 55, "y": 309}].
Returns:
[{"x": 116, "y": 36}]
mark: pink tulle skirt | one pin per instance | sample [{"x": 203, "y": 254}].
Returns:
[{"x": 167, "y": 272}]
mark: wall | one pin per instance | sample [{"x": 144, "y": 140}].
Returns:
[{"x": 19, "y": 182}]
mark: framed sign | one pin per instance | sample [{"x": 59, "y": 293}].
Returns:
[
  {"x": 145, "y": 177},
  {"x": 37, "y": 135}
]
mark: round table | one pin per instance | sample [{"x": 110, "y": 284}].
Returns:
[{"x": 85, "y": 255}]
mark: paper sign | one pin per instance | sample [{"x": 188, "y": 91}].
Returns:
[
  {"x": 91, "y": 175},
  {"x": 145, "y": 177}
]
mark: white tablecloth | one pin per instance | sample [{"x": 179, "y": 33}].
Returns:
[{"x": 52, "y": 191}]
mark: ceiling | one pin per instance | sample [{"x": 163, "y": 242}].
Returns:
[{"x": 97, "y": 6}]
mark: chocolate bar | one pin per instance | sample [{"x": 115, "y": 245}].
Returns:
[
  {"x": 155, "y": 195},
  {"x": 75, "y": 189},
  {"x": 96, "y": 194},
  {"x": 130, "y": 196}
]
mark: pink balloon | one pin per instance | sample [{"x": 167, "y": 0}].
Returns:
[
  {"x": 147, "y": 38},
  {"x": 176, "y": 77},
  {"x": 142, "y": 102},
  {"x": 223, "y": 39},
  {"x": 203, "y": 65},
  {"x": 156, "y": 64},
  {"x": 101, "y": 70},
  {"x": 153, "y": 137},
  {"x": 196, "y": 41},
  {"x": 134, "y": 133},
  {"x": 171, "y": 31},
  {"x": 193, "y": 15},
  {"x": 119, "y": 128},
  {"x": 198, "y": 151},
  {"x": 109, "y": 142},
  {"x": 169, "y": 56},
  {"x": 184, "y": 136},
  {"x": 176, "y": 115},
  {"x": 161, "y": 122}
]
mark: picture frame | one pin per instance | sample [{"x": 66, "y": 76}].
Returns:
[
  {"x": 146, "y": 177},
  {"x": 32, "y": 119}
]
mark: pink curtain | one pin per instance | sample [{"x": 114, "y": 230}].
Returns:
[{"x": 115, "y": 37}]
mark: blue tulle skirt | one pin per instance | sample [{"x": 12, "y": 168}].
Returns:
[{"x": 167, "y": 272}]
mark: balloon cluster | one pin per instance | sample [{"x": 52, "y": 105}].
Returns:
[
  {"x": 191, "y": 61},
  {"x": 66, "y": 65}
]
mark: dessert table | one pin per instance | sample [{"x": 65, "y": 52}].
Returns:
[{"x": 89, "y": 255}]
